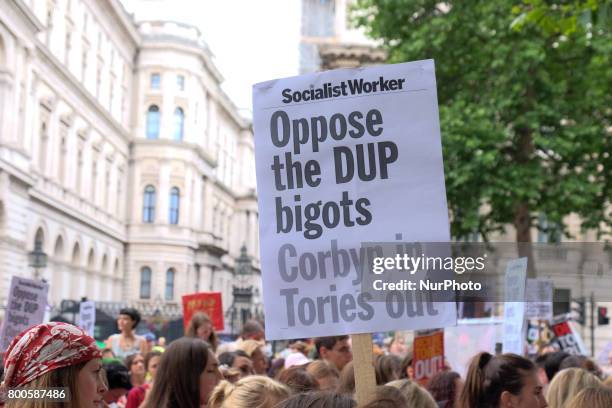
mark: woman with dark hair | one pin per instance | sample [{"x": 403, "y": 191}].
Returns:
[
  {"x": 127, "y": 342},
  {"x": 188, "y": 371},
  {"x": 54, "y": 355},
  {"x": 406, "y": 370},
  {"x": 137, "y": 394},
  {"x": 136, "y": 365},
  {"x": 503, "y": 381},
  {"x": 387, "y": 368},
  {"x": 201, "y": 326},
  {"x": 445, "y": 387}
]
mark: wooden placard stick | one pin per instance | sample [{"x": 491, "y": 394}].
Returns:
[{"x": 363, "y": 363}]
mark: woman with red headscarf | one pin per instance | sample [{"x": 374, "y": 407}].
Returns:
[{"x": 54, "y": 355}]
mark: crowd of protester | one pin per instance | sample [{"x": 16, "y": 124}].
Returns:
[{"x": 198, "y": 371}]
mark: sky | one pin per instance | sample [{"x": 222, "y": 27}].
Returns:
[{"x": 252, "y": 40}]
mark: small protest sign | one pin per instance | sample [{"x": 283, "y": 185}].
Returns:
[
  {"x": 538, "y": 298},
  {"x": 87, "y": 316},
  {"x": 566, "y": 338},
  {"x": 27, "y": 300},
  {"x": 428, "y": 357},
  {"x": 514, "y": 307},
  {"x": 469, "y": 337},
  {"x": 344, "y": 157},
  {"x": 208, "y": 302}
]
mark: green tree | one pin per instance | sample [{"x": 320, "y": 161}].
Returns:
[{"x": 524, "y": 93}]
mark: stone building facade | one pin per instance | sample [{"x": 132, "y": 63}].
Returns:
[{"x": 120, "y": 156}]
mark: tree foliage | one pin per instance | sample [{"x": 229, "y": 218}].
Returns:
[{"x": 524, "y": 93}]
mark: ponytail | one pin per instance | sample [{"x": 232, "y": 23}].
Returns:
[{"x": 489, "y": 376}]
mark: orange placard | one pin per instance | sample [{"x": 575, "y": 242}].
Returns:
[
  {"x": 428, "y": 357},
  {"x": 209, "y": 302}
]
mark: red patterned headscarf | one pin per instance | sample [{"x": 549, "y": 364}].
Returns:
[{"x": 43, "y": 348}]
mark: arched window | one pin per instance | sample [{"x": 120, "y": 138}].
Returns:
[
  {"x": 76, "y": 254},
  {"x": 174, "y": 205},
  {"x": 148, "y": 205},
  {"x": 179, "y": 122},
  {"x": 153, "y": 122},
  {"x": 170, "y": 284},
  {"x": 58, "y": 252},
  {"x": 145, "y": 283}
]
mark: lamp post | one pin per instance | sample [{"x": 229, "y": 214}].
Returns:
[
  {"x": 37, "y": 259},
  {"x": 242, "y": 293}
]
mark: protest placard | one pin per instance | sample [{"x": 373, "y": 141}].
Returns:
[
  {"x": 27, "y": 300},
  {"x": 538, "y": 298},
  {"x": 469, "y": 337},
  {"x": 514, "y": 307},
  {"x": 344, "y": 157},
  {"x": 208, "y": 302},
  {"x": 87, "y": 316},
  {"x": 428, "y": 357},
  {"x": 567, "y": 338}
]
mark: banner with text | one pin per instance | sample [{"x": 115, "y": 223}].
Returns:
[
  {"x": 26, "y": 305},
  {"x": 428, "y": 357},
  {"x": 343, "y": 157},
  {"x": 208, "y": 302}
]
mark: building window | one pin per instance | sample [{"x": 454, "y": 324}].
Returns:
[
  {"x": 148, "y": 209},
  {"x": 179, "y": 124},
  {"x": 174, "y": 205},
  {"x": 170, "y": 284},
  {"x": 145, "y": 283},
  {"x": 180, "y": 82},
  {"x": 155, "y": 81},
  {"x": 153, "y": 122}
]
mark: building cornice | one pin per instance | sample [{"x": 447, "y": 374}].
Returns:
[
  {"x": 34, "y": 24},
  {"x": 174, "y": 42},
  {"x": 202, "y": 154},
  {"x": 127, "y": 23},
  {"x": 78, "y": 216},
  {"x": 14, "y": 171}
]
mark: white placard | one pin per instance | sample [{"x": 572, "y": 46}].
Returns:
[
  {"x": 464, "y": 341},
  {"x": 364, "y": 156},
  {"x": 514, "y": 311},
  {"x": 538, "y": 298},
  {"x": 87, "y": 316},
  {"x": 27, "y": 301}
]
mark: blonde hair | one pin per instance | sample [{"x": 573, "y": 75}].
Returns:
[
  {"x": 566, "y": 384},
  {"x": 322, "y": 369},
  {"x": 250, "y": 346},
  {"x": 62, "y": 377},
  {"x": 608, "y": 382},
  {"x": 592, "y": 397},
  {"x": 417, "y": 396},
  {"x": 255, "y": 391}
]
